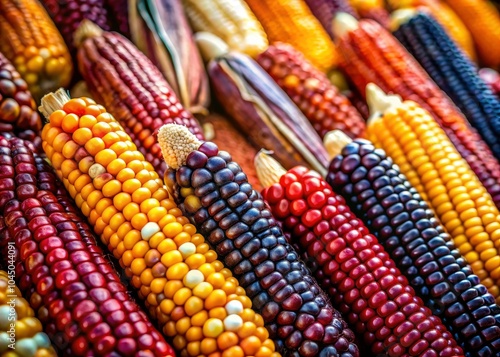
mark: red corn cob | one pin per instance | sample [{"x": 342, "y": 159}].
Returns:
[
  {"x": 352, "y": 266},
  {"x": 320, "y": 101},
  {"x": 79, "y": 298},
  {"x": 371, "y": 54}
]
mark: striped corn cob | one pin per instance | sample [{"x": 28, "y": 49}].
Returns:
[
  {"x": 434, "y": 167},
  {"x": 29, "y": 39},
  {"x": 446, "y": 17},
  {"x": 483, "y": 21},
  {"x": 186, "y": 289},
  {"x": 292, "y": 22},
  {"x": 370, "y": 54},
  {"x": 18, "y": 112},
  {"x": 392, "y": 209},
  {"x": 214, "y": 192},
  {"x": 132, "y": 89},
  {"x": 492, "y": 79},
  {"x": 453, "y": 72},
  {"x": 79, "y": 299},
  {"x": 320, "y": 101},
  {"x": 231, "y": 20},
  {"x": 18, "y": 326},
  {"x": 351, "y": 265},
  {"x": 325, "y": 10},
  {"x": 372, "y": 9}
]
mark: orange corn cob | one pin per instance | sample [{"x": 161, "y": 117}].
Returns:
[{"x": 30, "y": 40}]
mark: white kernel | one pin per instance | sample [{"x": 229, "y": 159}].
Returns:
[
  {"x": 149, "y": 229},
  {"x": 234, "y": 307},
  {"x": 187, "y": 249},
  {"x": 193, "y": 278},
  {"x": 233, "y": 323}
]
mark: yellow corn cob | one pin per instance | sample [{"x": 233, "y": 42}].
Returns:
[
  {"x": 447, "y": 18},
  {"x": 231, "y": 20},
  {"x": 196, "y": 301},
  {"x": 483, "y": 21},
  {"x": 291, "y": 21},
  {"x": 431, "y": 163},
  {"x": 30, "y": 40}
]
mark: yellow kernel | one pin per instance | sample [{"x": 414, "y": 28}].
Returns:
[
  {"x": 193, "y": 305},
  {"x": 208, "y": 345},
  {"x": 69, "y": 149},
  {"x": 94, "y": 146},
  {"x": 139, "y": 220},
  {"x": 176, "y": 271},
  {"x": 82, "y": 135},
  {"x": 217, "y": 298},
  {"x": 156, "y": 213},
  {"x": 217, "y": 280},
  {"x": 138, "y": 266},
  {"x": 111, "y": 188},
  {"x": 218, "y": 313},
  {"x": 140, "y": 249},
  {"x": 227, "y": 339},
  {"x": 172, "y": 229},
  {"x": 131, "y": 238},
  {"x": 213, "y": 328},
  {"x": 234, "y": 351},
  {"x": 181, "y": 296},
  {"x": 125, "y": 174},
  {"x": 116, "y": 166},
  {"x": 194, "y": 348},
  {"x": 248, "y": 329},
  {"x": 141, "y": 194},
  {"x": 121, "y": 200},
  {"x": 158, "y": 285},
  {"x": 131, "y": 210},
  {"x": 70, "y": 123},
  {"x": 130, "y": 186},
  {"x": 172, "y": 258},
  {"x": 167, "y": 306}
]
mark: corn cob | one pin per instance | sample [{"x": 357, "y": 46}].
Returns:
[
  {"x": 445, "y": 181},
  {"x": 320, "y": 101},
  {"x": 231, "y": 20},
  {"x": 370, "y": 54},
  {"x": 492, "y": 79},
  {"x": 161, "y": 31},
  {"x": 392, "y": 209},
  {"x": 292, "y": 22},
  {"x": 18, "y": 112},
  {"x": 214, "y": 192},
  {"x": 29, "y": 39},
  {"x": 446, "y": 17},
  {"x": 18, "y": 326},
  {"x": 132, "y": 89},
  {"x": 229, "y": 139},
  {"x": 119, "y": 14},
  {"x": 372, "y": 9},
  {"x": 325, "y": 10},
  {"x": 483, "y": 21},
  {"x": 351, "y": 265},
  {"x": 79, "y": 299},
  {"x": 187, "y": 290},
  {"x": 452, "y": 71},
  {"x": 259, "y": 107}
]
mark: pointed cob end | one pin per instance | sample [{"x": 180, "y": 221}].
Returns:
[
  {"x": 269, "y": 171},
  {"x": 87, "y": 29},
  {"x": 53, "y": 101},
  {"x": 379, "y": 102},
  {"x": 343, "y": 23},
  {"x": 210, "y": 46},
  {"x": 400, "y": 17},
  {"x": 176, "y": 142},
  {"x": 334, "y": 141}
]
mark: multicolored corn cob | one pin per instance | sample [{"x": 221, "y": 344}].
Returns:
[
  {"x": 492, "y": 79},
  {"x": 483, "y": 21},
  {"x": 453, "y": 72},
  {"x": 351, "y": 265},
  {"x": 416, "y": 143},
  {"x": 231, "y": 20},
  {"x": 292, "y": 22},
  {"x": 132, "y": 89},
  {"x": 371, "y": 54},
  {"x": 446, "y": 17},
  {"x": 186, "y": 289},
  {"x": 29, "y": 39},
  {"x": 78, "y": 298},
  {"x": 214, "y": 192},
  {"x": 18, "y": 112},
  {"x": 325, "y": 10},
  {"x": 392, "y": 209},
  {"x": 372, "y": 9},
  {"x": 320, "y": 101}
]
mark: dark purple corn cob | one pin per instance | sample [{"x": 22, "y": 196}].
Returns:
[
  {"x": 214, "y": 193},
  {"x": 403, "y": 223}
]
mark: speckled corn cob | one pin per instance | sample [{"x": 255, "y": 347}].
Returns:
[
  {"x": 213, "y": 191},
  {"x": 80, "y": 301},
  {"x": 351, "y": 265},
  {"x": 131, "y": 88},
  {"x": 392, "y": 209},
  {"x": 186, "y": 289},
  {"x": 29, "y": 39},
  {"x": 370, "y": 54},
  {"x": 325, "y": 10},
  {"x": 320, "y": 101}
]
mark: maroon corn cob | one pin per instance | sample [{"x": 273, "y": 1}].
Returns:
[
  {"x": 79, "y": 298},
  {"x": 118, "y": 12},
  {"x": 320, "y": 101}
]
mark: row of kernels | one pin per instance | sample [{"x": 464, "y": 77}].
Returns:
[{"x": 186, "y": 288}]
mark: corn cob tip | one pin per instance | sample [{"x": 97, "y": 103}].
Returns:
[
  {"x": 208, "y": 131},
  {"x": 343, "y": 23},
  {"x": 379, "y": 102},
  {"x": 335, "y": 141},
  {"x": 268, "y": 169},
  {"x": 210, "y": 46},
  {"x": 87, "y": 29},
  {"x": 176, "y": 142},
  {"x": 53, "y": 101},
  {"x": 402, "y": 16}
]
